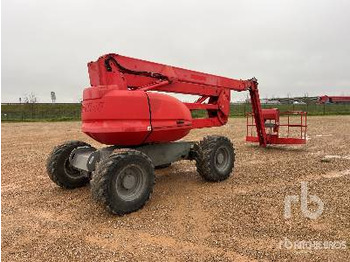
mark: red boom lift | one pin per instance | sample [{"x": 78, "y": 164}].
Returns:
[{"x": 122, "y": 109}]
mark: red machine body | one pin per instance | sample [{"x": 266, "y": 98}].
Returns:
[
  {"x": 121, "y": 117},
  {"x": 120, "y": 107}
]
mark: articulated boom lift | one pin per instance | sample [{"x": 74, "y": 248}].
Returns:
[{"x": 123, "y": 109}]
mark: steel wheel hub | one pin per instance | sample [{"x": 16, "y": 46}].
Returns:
[
  {"x": 222, "y": 159},
  {"x": 131, "y": 182}
]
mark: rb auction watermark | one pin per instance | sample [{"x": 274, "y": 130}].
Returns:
[
  {"x": 307, "y": 244},
  {"x": 312, "y": 244},
  {"x": 303, "y": 203}
]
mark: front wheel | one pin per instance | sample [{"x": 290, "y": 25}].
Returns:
[
  {"x": 124, "y": 181},
  {"x": 215, "y": 158}
]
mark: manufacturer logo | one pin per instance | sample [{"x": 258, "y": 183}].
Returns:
[{"x": 89, "y": 107}]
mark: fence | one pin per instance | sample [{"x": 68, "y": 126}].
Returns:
[
  {"x": 40, "y": 111},
  {"x": 238, "y": 110},
  {"x": 64, "y": 112},
  {"x": 311, "y": 109}
]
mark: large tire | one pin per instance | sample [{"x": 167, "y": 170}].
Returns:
[
  {"x": 60, "y": 170},
  {"x": 215, "y": 158},
  {"x": 124, "y": 181}
]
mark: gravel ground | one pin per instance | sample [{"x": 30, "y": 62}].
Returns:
[{"x": 187, "y": 219}]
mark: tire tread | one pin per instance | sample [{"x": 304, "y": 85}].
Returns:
[
  {"x": 203, "y": 158},
  {"x": 52, "y": 164},
  {"x": 100, "y": 179}
]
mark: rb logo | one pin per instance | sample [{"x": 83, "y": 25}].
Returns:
[{"x": 303, "y": 203}]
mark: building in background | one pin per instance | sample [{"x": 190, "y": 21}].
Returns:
[{"x": 333, "y": 99}]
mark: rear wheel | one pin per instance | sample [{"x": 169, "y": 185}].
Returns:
[
  {"x": 61, "y": 171},
  {"x": 214, "y": 158},
  {"x": 124, "y": 181}
]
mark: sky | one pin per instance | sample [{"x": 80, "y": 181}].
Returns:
[{"x": 293, "y": 47}]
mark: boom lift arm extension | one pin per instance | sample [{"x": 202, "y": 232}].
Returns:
[{"x": 136, "y": 74}]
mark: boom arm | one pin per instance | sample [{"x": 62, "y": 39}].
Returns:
[{"x": 127, "y": 73}]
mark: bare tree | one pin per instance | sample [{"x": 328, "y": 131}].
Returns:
[{"x": 30, "y": 98}]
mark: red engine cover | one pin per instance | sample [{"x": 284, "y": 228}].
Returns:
[{"x": 126, "y": 117}]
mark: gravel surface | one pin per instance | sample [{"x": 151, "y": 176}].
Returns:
[{"x": 187, "y": 219}]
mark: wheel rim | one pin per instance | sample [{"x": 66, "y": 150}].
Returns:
[
  {"x": 131, "y": 182},
  {"x": 222, "y": 159},
  {"x": 70, "y": 171}
]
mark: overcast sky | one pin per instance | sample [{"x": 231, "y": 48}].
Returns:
[{"x": 290, "y": 46}]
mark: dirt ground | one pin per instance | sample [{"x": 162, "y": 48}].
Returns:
[{"x": 187, "y": 219}]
